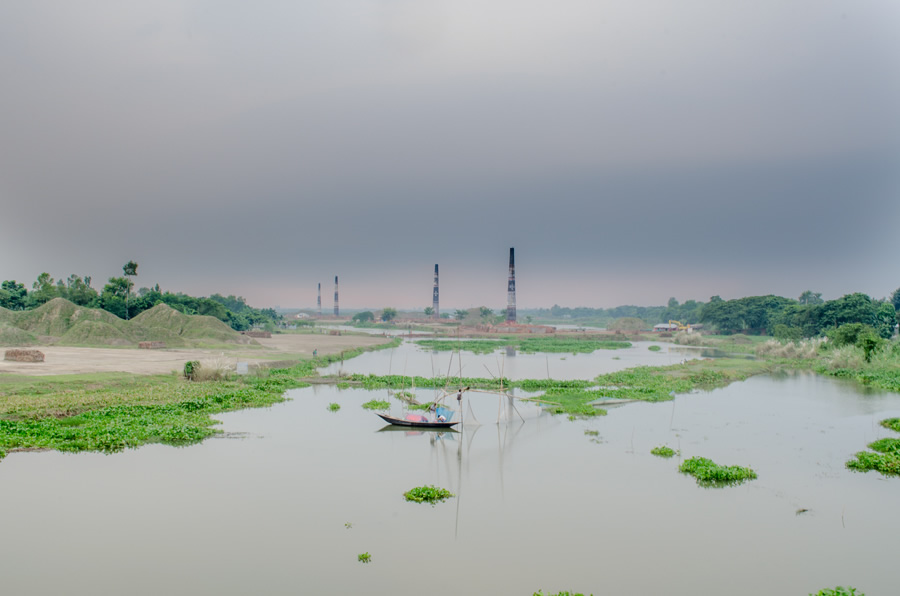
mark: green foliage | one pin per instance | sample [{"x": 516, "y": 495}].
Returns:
[
  {"x": 752, "y": 315},
  {"x": 885, "y": 463},
  {"x": 13, "y": 295},
  {"x": 654, "y": 348},
  {"x": 784, "y": 333},
  {"x": 333, "y": 407},
  {"x": 663, "y": 451},
  {"x": 429, "y": 311},
  {"x": 376, "y": 404},
  {"x": 388, "y": 314},
  {"x": 365, "y": 316},
  {"x": 183, "y": 418},
  {"x": 892, "y": 423},
  {"x": 364, "y": 557},
  {"x": 809, "y": 297},
  {"x": 190, "y": 368},
  {"x": 886, "y": 460},
  {"x": 849, "y": 334},
  {"x": 838, "y": 591},
  {"x": 460, "y": 314},
  {"x": 427, "y": 494},
  {"x": 711, "y": 474}
]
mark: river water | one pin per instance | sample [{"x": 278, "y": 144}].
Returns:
[
  {"x": 411, "y": 359},
  {"x": 286, "y": 501}
]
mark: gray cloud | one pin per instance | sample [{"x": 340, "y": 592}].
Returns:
[{"x": 630, "y": 151}]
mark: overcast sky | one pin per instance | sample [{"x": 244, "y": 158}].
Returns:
[{"x": 629, "y": 150}]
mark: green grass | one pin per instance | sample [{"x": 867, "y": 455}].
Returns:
[
  {"x": 427, "y": 494},
  {"x": 663, "y": 451},
  {"x": 711, "y": 474},
  {"x": 112, "y": 412}
]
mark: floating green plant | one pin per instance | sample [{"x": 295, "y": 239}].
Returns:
[
  {"x": 838, "y": 591},
  {"x": 364, "y": 557},
  {"x": 663, "y": 451},
  {"x": 654, "y": 348},
  {"x": 376, "y": 404},
  {"x": 886, "y": 458},
  {"x": 334, "y": 407},
  {"x": 427, "y": 494},
  {"x": 709, "y": 473}
]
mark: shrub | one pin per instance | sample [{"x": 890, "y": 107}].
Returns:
[
  {"x": 849, "y": 334},
  {"x": 785, "y": 333},
  {"x": 684, "y": 338}
]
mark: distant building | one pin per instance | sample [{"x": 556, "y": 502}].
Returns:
[{"x": 662, "y": 327}]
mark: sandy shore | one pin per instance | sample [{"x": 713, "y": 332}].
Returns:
[{"x": 61, "y": 360}]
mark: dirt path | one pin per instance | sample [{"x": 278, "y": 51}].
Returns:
[{"x": 61, "y": 360}]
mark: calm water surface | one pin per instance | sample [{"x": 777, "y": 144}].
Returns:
[
  {"x": 412, "y": 359},
  {"x": 540, "y": 503}
]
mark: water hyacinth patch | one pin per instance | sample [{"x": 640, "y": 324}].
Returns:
[
  {"x": 334, "y": 407},
  {"x": 886, "y": 460},
  {"x": 710, "y": 474},
  {"x": 838, "y": 591},
  {"x": 663, "y": 451},
  {"x": 427, "y": 494},
  {"x": 376, "y": 404}
]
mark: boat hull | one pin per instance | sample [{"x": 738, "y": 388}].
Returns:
[{"x": 401, "y": 422}]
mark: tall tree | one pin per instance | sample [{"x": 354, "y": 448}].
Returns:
[
  {"x": 460, "y": 314},
  {"x": 13, "y": 295},
  {"x": 130, "y": 270},
  {"x": 895, "y": 299},
  {"x": 44, "y": 290},
  {"x": 809, "y": 297},
  {"x": 388, "y": 314}
]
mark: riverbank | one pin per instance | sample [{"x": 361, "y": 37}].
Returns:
[{"x": 282, "y": 347}]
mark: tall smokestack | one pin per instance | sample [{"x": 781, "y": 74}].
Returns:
[
  {"x": 319, "y": 299},
  {"x": 511, "y": 288},
  {"x": 434, "y": 300},
  {"x": 337, "y": 311}
]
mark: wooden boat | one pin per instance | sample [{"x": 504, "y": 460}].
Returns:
[{"x": 415, "y": 423}]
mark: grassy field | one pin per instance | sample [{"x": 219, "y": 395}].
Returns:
[{"x": 111, "y": 412}]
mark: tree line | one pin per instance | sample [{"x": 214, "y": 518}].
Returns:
[
  {"x": 118, "y": 298},
  {"x": 786, "y": 318}
]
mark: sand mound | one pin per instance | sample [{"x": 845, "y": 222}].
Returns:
[
  {"x": 92, "y": 333},
  {"x": 13, "y": 336},
  {"x": 56, "y": 317},
  {"x": 69, "y": 324},
  {"x": 163, "y": 318}
]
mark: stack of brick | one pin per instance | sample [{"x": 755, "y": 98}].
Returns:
[{"x": 24, "y": 355}]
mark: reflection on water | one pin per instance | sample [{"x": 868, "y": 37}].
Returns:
[
  {"x": 540, "y": 504},
  {"x": 411, "y": 359}
]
